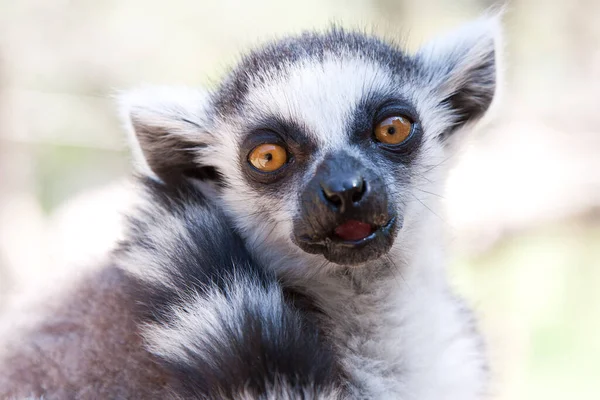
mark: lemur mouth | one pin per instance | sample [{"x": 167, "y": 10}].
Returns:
[
  {"x": 353, "y": 230},
  {"x": 352, "y": 234},
  {"x": 350, "y": 241},
  {"x": 353, "y": 242}
]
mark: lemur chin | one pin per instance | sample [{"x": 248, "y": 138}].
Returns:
[{"x": 287, "y": 244}]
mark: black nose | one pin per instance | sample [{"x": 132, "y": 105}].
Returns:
[{"x": 343, "y": 192}]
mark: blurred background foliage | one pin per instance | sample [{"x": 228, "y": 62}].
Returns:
[{"x": 522, "y": 202}]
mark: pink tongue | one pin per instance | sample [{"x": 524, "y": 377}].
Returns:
[{"x": 353, "y": 230}]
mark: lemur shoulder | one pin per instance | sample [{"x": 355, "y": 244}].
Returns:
[{"x": 288, "y": 243}]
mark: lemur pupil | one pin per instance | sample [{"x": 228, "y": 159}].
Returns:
[
  {"x": 268, "y": 156},
  {"x": 391, "y": 130}
]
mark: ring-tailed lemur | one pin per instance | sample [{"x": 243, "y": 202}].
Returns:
[{"x": 288, "y": 245}]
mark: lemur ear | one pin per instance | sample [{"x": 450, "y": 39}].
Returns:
[
  {"x": 462, "y": 68},
  {"x": 166, "y": 129}
]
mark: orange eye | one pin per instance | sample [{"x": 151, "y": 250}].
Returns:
[
  {"x": 268, "y": 157},
  {"x": 393, "y": 130}
]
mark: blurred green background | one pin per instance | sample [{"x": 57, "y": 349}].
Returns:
[{"x": 522, "y": 203}]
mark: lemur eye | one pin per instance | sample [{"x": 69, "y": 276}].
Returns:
[
  {"x": 393, "y": 130},
  {"x": 268, "y": 157}
]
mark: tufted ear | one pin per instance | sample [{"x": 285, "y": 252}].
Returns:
[
  {"x": 462, "y": 68},
  {"x": 167, "y": 128}
]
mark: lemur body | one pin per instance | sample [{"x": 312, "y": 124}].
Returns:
[{"x": 289, "y": 244}]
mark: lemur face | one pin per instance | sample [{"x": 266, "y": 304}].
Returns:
[
  {"x": 323, "y": 143},
  {"x": 327, "y": 148}
]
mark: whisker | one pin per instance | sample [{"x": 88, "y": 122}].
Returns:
[
  {"x": 427, "y": 207},
  {"x": 389, "y": 258},
  {"x": 438, "y": 164},
  {"x": 431, "y": 193}
]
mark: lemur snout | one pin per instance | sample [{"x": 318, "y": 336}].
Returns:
[
  {"x": 346, "y": 214},
  {"x": 344, "y": 190}
]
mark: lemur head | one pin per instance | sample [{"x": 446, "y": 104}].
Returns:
[{"x": 321, "y": 145}]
